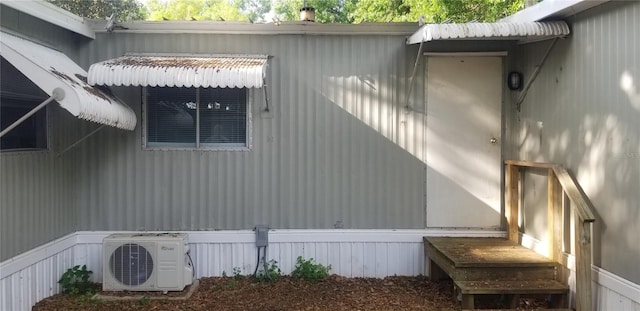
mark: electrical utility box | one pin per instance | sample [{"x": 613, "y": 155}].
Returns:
[{"x": 262, "y": 235}]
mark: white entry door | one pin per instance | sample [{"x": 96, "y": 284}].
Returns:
[{"x": 464, "y": 96}]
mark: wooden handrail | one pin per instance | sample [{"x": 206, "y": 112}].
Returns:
[
  {"x": 559, "y": 181},
  {"x": 579, "y": 199}
]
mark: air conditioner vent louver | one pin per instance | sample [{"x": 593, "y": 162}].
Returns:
[
  {"x": 131, "y": 264},
  {"x": 146, "y": 262}
]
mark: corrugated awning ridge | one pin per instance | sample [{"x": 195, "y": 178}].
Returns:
[
  {"x": 525, "y": 31},
  {"x": 180, "y": 71}
]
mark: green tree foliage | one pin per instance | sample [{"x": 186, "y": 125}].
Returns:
[
  {"x": 124, "y": 10},
  {"x": 460, "y": 11},
  {"x": 381, "y": 11},
  {"x": 326, "y": 11},
  {"x": 194, "y": 10},
  {"x": 254, "y": 10},
  {"x": 434, "y": 11}
]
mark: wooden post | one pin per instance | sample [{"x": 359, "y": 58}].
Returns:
[
  {"x": 583, "y": 264},
  {"x": 512, "y": 199},
  {"x": 554, "y": 217}
]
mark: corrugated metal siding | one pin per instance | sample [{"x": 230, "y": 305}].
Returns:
[
  {"x": 35, "y": 199},
  {"x": 21, "y": 290},
  {"x": 580, "y": 114},
  {"x": 36, "y": 204},
  {"x": 610, "y": 300},
  {"x": 351, "y": 253},
  {"x": 337, "y": 150}
]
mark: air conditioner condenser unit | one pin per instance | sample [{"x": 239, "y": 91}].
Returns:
[{"x": 146, "y": 262}]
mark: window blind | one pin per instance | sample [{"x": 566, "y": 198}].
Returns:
[
  {"x": 173, "y": 117},
  {"x": 223, "y": 115}
]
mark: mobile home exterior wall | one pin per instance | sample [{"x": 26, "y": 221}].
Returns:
[
  {"x": 37, "y": 203},
  {"x": 582, "y": 112},
  {"x": 337, "y": 150}
]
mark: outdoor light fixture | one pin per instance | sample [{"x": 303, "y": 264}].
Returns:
[{"x": 514, "y": 80}]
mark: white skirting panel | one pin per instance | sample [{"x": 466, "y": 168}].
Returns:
[
  {"x": 610, "y": 292},
  {"x": 32, "y": 276},
  {"x": 351, "y": 253}
]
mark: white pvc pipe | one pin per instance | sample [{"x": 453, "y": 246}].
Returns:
[{"x": 58, "y": 94}]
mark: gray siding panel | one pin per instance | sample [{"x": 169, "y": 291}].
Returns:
[
  {"x": 336, "y": 150},
  {"x": 34, "y": 201},
  {"x": 590, "y": 123}
]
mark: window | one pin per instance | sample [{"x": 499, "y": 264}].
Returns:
[
  {"x": 198, "y": 118},
  {"x": 18, "y": 96},
  {"x": 31, "y": 133}
]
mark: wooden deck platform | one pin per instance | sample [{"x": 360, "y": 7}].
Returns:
[{"x": 486, "y": 266}]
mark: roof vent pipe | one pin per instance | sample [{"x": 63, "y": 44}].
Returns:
[{"x": 307, "y": 14}]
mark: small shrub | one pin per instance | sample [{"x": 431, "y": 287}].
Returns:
[
  {"x": 308, "y": 270},
  {"x": 237, "y": 273},
  {"x": 273, "y": 272},
  {"x": 76, "y": 281}
]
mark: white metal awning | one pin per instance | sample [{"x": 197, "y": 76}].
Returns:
[
  {"x": 522, "y": 32},
  {"x": 50, "y": 69},
  {"x": 181, "y": 71}
]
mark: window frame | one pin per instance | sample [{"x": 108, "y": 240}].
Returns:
[
  {"x": 47, "y": 124},
  {"x": 249, "y": 97}
]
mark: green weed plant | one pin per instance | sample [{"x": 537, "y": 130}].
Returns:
[{"x": 310, "y": 271}]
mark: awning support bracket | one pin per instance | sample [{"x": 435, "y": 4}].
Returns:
[
  {"x": 77, "y": 142},
  {"x": 534, "y": 75},
  {"x": 266, "y": 97},
  {"x": 413, "y": 75},
  {"x": 57, "y": 94}
]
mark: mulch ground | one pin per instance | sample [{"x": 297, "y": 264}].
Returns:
[{"x": 246, "y": 294}]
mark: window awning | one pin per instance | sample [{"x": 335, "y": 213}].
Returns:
[
  {"x": 522, "y": 32},
  {"x": 181, "y": 71},
  {"x": 50, "y": 69}
]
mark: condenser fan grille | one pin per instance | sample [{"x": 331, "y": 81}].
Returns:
[{"x": 131, "y": 264}]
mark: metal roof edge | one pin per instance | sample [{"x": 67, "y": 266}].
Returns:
[
  {"x": 219, "y": 27},
  {"x": 54, "y": 15},
  {"x": 551, "y": 9}
]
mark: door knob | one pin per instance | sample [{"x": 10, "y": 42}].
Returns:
[{"x": 493, "y": 140}]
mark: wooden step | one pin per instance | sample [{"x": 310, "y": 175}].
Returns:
[
  {"x": 493, "y": 266},
  {"x": 512, "y": 287},
  {"x": 505, "y": 273},
  {"x": 474, "y": 259},
  {"x": 485, "y": 252}
]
